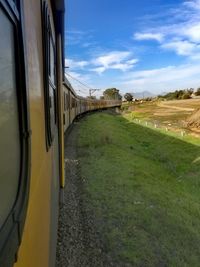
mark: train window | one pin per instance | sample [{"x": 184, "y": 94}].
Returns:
[
  {"x": 64, "y": 98},
  {"x": 14, "y": 133},
  {"x": 49, "y": 55},
  {"x": 66, "y": 102},
  {"x": 9, "y": 122},
  {"x": 52, "y": 67},
  {"x": 73, "y": 102}
]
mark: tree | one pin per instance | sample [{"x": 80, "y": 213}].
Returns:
[
  {"x": 197, "y": 92},
  {"x": 186, "y": 95},
  {"x": 128, "y": 97},
  {"x": 179, "y": 94},
  {"x": 112, "y": 93},
  {"x": 191, "y": 91}
]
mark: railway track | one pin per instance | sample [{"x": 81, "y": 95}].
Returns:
[{"x": 78, "y": 241}]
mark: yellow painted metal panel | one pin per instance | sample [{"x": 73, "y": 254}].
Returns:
[{"x": 35, "y": 247}]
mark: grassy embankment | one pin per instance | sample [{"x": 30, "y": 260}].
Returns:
[
  {"x": 144, "y": 188},
  {"x": 172, "y": 115}
]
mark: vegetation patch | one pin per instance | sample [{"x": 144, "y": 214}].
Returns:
[
  {"x": 176, "y": 115},
  {"x": 194, "y": 120},
  {"x": 144, "y": 188}
]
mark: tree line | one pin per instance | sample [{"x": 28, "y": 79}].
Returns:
[
  {"x": 113, "y": 93},
  {"x": 181, "y": 94}
]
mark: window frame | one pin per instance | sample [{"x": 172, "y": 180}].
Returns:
[
  {"x": 11, "y": 231},
  {"x": 47, "y": 38}
]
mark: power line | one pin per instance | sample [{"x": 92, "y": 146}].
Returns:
[
  {"x": 84, "y": 84},
  {"x": 91, "y": 90},
  {"x": 79, "y": 90}
]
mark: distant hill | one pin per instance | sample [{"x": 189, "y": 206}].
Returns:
[{"x": 143, "y": 94}]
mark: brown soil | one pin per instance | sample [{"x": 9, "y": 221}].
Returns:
[{"x": 193, "y": 122}]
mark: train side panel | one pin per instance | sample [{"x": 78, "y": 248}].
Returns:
[{"x": 39, "y": 236}]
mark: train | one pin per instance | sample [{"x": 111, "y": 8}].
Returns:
[{"x": 37, "y": 106}]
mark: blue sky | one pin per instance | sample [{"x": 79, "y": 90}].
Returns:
[{"x": 133, "y": 45}]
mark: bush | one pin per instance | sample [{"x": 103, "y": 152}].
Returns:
[
  {"x": 186, "y": 96},
  {"x": 197, "y": 92}
]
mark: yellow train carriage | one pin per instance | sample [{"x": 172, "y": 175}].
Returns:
[{"x": 31, "y": 132}]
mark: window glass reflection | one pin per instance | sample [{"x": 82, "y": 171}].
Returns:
[{"x": 9, "y": 124}]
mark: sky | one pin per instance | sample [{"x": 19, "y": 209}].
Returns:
[{"x": 132, "y": 45}]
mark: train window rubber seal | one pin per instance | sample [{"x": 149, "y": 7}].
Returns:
[{"x": 11, "y": 231}]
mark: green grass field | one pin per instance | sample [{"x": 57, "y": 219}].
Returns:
[{"x": 144, "y": 189}]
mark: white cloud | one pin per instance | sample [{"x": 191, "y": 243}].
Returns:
[
  {"x": 75, "y": 75},
  {"x": 111, "y": 58},
  {"x": 154, "y": 80},
  {"x": 73, "y": 64},
  {"x": 149, "y": 36},
  {"x": 132, "y": 61},
  {"x": 192, "y": 32},
  {"x": 181, "y": 33},
  {"x": 194, "y": 4},
  {"x": 77, "y": 37},
  {"x": 120, "y": 60},
  {"x": 99, "y": 70},
  {"x": 184, "y": 48},
  {"x": 168, "y": 78}
]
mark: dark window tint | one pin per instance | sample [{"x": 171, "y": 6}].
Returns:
[
  {"x": 67, "y": 101},
  {"x": 9, "y": 124},
  {"x": 49, "y": 54},
  {"x": 64, "y": 98},
  {"x": 52, "y": 66}
]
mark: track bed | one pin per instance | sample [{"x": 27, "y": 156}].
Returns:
[{"x": 79, "y": 242}]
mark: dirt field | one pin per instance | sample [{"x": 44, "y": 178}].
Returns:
[{"x": 168, "y": 114}]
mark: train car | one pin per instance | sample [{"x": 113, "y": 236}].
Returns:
[
  {"x": 31, "y": 171},
  {"x": 37, "y": 105}
]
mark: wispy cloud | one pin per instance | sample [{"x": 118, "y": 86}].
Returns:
[
  {"x": 194, "y": 4},
  {"x": 119, "y": 60},
  {"x": 74, "y": 64},
  {"x": 181, "y": 34},
  {"x": 149, "y": 36},
  {"x": 73, "y": 76},
  {"x": 77, "y": 37},
  {"x": 154, "y": 80},
  {"x": 167, "y": 78},
  {"x": 182, "y": 47},
  {"x": 178, "y": 31}
]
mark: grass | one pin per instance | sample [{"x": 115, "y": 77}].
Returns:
[{"x": 144, "y": 188}]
